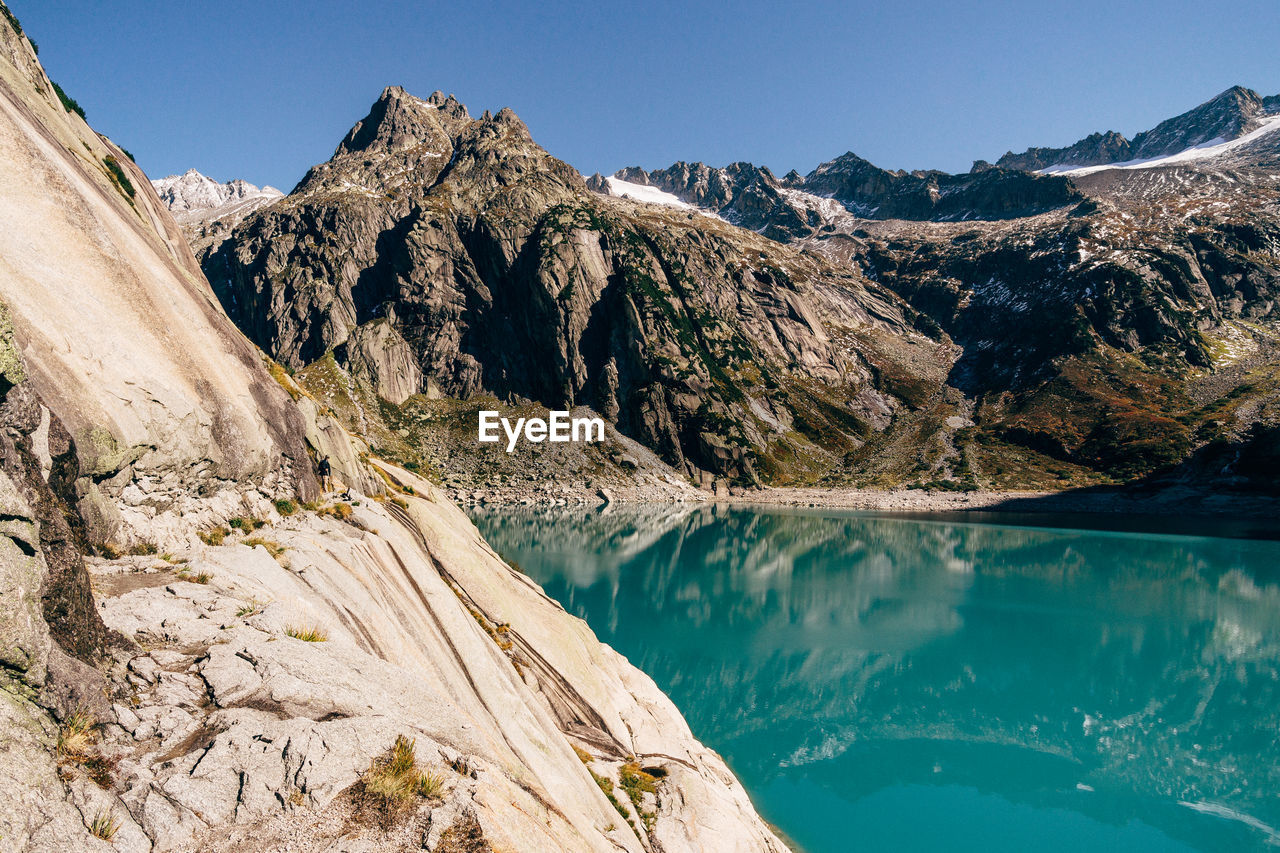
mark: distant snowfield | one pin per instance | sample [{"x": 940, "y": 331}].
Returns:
[
  {"x": 1212, "y": 148},
  {"x": 640, "y": 192}
]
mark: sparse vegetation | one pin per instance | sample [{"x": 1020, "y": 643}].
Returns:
[
  {"x": 144, "y": 549},
  {"x": 606, "y": 785},
  {"x": 104, "y": 825},
  {"x": 118, "y": 175},
  {"x": 340, "y": 511},
  {"x": 246, "y": 524},
  {"x": 394, "y": 784},
  {"x": 11, "y": 18},
  {"x": 286, "y": 507},
  {"x": 498, "y": 633},
  {"x": 430, "y": 785},
  {"x": 252, "y": 608},
  {"x": 282, "y": 376},
  {"x": 201, "y": 577},
  {"x": 637, "y": 783},
  {"x": 275, "y": 549},
  {"x": 583, "y": 756},
  {"x": 76, "y": 736},
  {"x": 214, "y": 536},
  {"x": 77, "y": 745},
  {"x": 307, "y": 633}
]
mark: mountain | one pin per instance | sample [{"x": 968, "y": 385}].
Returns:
[
  {"x": 483, "y": 265},
  {"x": 1229, "y": 116},
  {"x": 750, "y": 196},
  {"x": 198, "y": 649},
  {"x": 1114, "y": 326},
  {"x": 854, "y": 325},
  {"x": 207, "y": 210}
]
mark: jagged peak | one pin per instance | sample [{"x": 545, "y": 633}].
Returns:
[
  {"x": 393, "y": 120},
  {"x": 845, "y": 162},
  {"x": 1227, "y": 115}
]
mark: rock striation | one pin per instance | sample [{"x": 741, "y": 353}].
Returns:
[
  {"x": 233, "y": 666},
  {"x": 119, "y": 332}
]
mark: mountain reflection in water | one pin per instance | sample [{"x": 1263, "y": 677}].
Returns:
[{"x": 1121, "y": 688}]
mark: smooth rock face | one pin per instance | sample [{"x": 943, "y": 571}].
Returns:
[
  {"x": 428, "y": 635},
  {"x": 121, "y": 337},
  {"x": 383, "y": 360},
  {"x": 248, "y": 689}
]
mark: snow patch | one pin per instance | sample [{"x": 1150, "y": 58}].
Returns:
[
  {"x": 1204, "y": 151},
  {"x": 640, "y": 192}
]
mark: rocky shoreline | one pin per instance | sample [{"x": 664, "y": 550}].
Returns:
[{"x": 1167, "y": 501}]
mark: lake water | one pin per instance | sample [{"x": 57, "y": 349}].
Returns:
[{"x": 881, "y": 683}]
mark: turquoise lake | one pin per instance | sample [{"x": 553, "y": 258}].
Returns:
[{"x": 887, "y": 683}]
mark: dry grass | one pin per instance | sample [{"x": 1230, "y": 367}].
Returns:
[
  {"x": 78, "y": 745},
  {"x": 340, "y": 511},
  {"x": 280, "y": 375},
  {"x": 252, "y": 608},
  {"x": 104, "y": 825},
  {"x": 201, "y": 577},
  {"x": 214, "y": 536},
  {"x": 275, "y": 549},
  {"x": 307, "y": 633},
  {"x": 391, "y": 788},
  {"x": 76, "y": 737}
]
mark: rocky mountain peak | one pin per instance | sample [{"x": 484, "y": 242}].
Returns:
[
  {"x": 402, "y": 149},
  {"x": 1224, "y": 117},
  {"x": 195, "y": 193},
  {"x": 396, "y": 120}
]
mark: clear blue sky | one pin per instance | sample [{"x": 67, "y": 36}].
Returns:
[{"x": 264, "y": 89}]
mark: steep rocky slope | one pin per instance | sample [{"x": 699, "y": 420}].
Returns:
[
  {"x": 1230, "y": 115},
  {"x": 240, "y": 676},
  {"x": 207, "y": 210},
  {"x": 1100, "y": 325},
  {"x": 119, "y": 331},
  {"x": 439, "y": 253},
  {"x": 1130, "y": 332}
]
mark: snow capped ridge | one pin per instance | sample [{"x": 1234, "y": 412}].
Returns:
[
  {"x": 1229, "y": 116},
  {"x": 194, "y": 195},
  {"x": 207, "y": 210},
  {"x": 1212, "y": 148}
]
